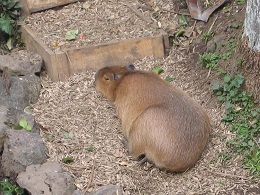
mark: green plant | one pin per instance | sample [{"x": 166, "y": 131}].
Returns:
[
  {"x": 210, "y": 60},
  {"x": 91, "y": 148},
  {"x": 23, "y": 125},
  {"x": 157, "y": 70},
  {"x": 9, "y": 21},
  {"x": 7, "y": 188},
  {"x": 231, "y": 46},
  {"x": 67, "y": 160},
  {"x": 224, "y": 157},
  {"x": 208, "y": 36},
  {"x": 243, "y": 118}
]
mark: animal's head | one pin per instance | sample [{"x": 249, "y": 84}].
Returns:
[{"x": 108, "y": 78}]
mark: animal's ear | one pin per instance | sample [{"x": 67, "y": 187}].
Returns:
[
  {"x": 130, "y": 67},
  {"x": 116, "y": 76}
]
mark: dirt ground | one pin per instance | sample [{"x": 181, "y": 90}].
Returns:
[{"x": 78, "y": 122}]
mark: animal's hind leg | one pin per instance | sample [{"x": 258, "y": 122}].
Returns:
[{"x": 136, "y": 148}]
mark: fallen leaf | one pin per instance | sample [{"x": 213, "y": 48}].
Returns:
[
  {"x": 196, "y": 12},
  {"x": 117, "y": 153},
  {"x": 86, "y": 5},
  {"x": 71, "y": 34},
  {"x": 123, "y": 163}
]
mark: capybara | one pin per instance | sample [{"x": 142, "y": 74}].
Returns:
[{"x": 159, "y": 121}]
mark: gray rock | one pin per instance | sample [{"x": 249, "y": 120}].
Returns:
[
  {"x": 47, "y": 179},
  {"x": 215, "y": 43},
  {"x": 3, "y": 113},
  {"x": 109, "y": 190},
  {"x": 22, "y": 62},
  {"x": 23, "y": 91},
  {"x": 21, "y": 149}
]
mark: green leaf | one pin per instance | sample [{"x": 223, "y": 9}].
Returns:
[
  {"x": 68, "y": 135},
  {"x": 10, "y": 43},
  {"x": 5, "y": 25},
  {"x": 23, "y": 123},
  {"x": 183, "y": 20},
  {"x": 179, "y": 33},
  {"x": 251, "y": 143},
  {"x": 67, "y": 160},
  {"x": 18, "y": 127},
  {"x": 28, "y": 128},
  {"x": 157, "y": 70},
  {"x": 169, "y": 79},
  {"x": 71, "y": 35},
  {"x": 91, "y": 148},
  {"x": 227, "y": 78},
  {"x": 215, "y": 86}
]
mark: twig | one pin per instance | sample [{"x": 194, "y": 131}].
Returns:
[
  {"x": 139, "y": 14},
  {"x": 209, "y": 72},
  {"x": 212, "y": 24},
  {"x": 229, "y": 175},
  {"x": 91, "y": 176}
]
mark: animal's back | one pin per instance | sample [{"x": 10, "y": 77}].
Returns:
[{"x": 161, "y": 121}]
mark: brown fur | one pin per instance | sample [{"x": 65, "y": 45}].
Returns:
[{"x": 159, "y": 120}]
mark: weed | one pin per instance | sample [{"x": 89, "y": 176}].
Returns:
[
  {"x": 157, "y": 70},
  {"x": 224, "y": 157},
  {"x": 208, "y": 36},
  {"x": 91, "y": 148},
  {"x": 243, "y": 118},
  {"x": 169, "y": 79},
  {"x": 240, "y": 1},
  {"x": 7, "y": 188},
  {"x": 210, "y": 60},
  {"x": 23, "y": 125},
  {"x": 67, "y": 160},
  {"x": 9, "y": 21},
  {"x": 231, "y": 46}
]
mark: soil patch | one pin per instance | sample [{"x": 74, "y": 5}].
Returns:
[{"x": 96, "y": 22}]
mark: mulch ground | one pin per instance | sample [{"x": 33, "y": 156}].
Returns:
[{"x": 79, "y": 123}]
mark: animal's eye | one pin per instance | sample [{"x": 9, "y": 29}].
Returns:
[{"x": 106, "y": 78}]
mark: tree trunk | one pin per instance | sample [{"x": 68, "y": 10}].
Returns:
[{"x": 252, "y": 24}]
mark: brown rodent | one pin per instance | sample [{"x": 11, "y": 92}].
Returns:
[{"x": 159, "y": 120}]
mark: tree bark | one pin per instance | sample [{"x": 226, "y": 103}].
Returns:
[{"x": 252, "y": 24}]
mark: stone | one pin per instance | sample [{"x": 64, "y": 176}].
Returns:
[
  {"x": 21, "y": 149},
  {"x": 22, "y": 62},
  {"x": 23, "y": 92},
  {"x": 109, "y": 190},
  {"x": 47, "y": 179}
]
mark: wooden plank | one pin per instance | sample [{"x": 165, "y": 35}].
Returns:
[
  {"x": 115, "y": 53},
  {"x": 63, "y": 64},
  {"x": 30, "y": 6},
  {"x": 34, "y": 44}
]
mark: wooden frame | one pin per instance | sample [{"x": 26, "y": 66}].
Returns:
[
  {"x": 30, "y": 6},
  {"x": 63, "y": 64}
]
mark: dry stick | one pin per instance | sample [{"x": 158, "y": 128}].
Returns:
[
  {"x": 139, "y": 14},
  {"x": 208, "y": 33},
  {"x": 146, "y": 19},
  {"x": 229, "y": 175},
  {"x": 91, "y": 176},
  {"x": 212, "y": 24}
]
